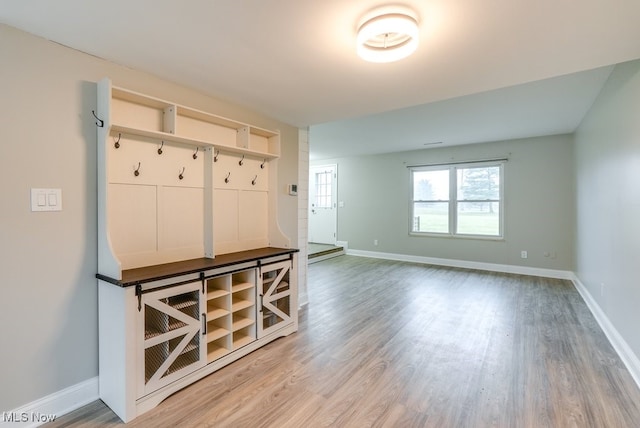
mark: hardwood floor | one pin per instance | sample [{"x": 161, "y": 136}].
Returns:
[{"x": 393, "y": 344}]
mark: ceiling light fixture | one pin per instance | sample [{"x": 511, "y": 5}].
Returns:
[{"x": 388, "y": 37}]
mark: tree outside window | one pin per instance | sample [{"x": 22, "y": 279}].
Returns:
[{"x": 457, "y": 199}]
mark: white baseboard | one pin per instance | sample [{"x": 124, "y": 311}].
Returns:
[
  {"x": 621, "y": 347},
  {"x": 54, "y": 405},
  {"x": 343, "y": 244},
  {"x": 493, "y": 267}
]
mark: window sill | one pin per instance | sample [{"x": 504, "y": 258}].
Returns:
[{"x": 450, "y": 236}]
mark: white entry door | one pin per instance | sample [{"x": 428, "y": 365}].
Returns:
[{"x": 323, "y": 219}]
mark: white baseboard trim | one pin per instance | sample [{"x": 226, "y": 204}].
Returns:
[
  {"x": 621, "y": 347},
  {"x": 493, "y": 267},
  {"x": 54, "y": 405}
]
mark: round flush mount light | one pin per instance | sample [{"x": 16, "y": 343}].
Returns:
[{"x": 388, "y": 36}]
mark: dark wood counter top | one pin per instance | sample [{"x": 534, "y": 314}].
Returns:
[{"x": 168, "y": 270}]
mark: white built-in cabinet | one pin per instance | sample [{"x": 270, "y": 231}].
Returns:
[{"x": 194, "y": 271}]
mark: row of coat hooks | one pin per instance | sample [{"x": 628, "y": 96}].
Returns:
[
  {"x": 227, "y": 179},
  {"x": 136, "y": 171},
  {"x": 194, "y": 156},
  {"x": 240, "y": 162},
  {"x": 160, "y": 151}
]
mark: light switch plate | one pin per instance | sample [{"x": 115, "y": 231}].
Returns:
[{"x": 46, "y": 199}]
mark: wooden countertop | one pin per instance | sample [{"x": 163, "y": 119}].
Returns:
[{"x": 167, "y": 270}]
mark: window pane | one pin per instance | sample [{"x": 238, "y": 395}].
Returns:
[
  {"x": 323, "y": 189},
  {"x": 431, "y": 217},
  {"x": 479, "y": 218},
  {"x": 479, "y": 183},
  {"x": 431, "y": 185}
]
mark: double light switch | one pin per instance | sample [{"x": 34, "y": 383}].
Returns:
[{"x": 46, "y": 199}]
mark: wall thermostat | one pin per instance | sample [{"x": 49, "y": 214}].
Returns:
[{"x": 293, "y": 189}]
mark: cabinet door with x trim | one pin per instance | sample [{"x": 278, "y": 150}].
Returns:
[
  {"x": 275, "y": 292},
  {"x": 171, "y": 345}
]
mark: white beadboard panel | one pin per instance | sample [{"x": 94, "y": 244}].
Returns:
[
  {"x": 132, "y": 219},
  {"x": 225, "y": 216},
  {"x": 253, "y": 215},
  {"x": 182, "y": 214}
]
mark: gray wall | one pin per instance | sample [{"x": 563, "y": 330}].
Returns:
[
  {"x": 539, "y": 203},
  {"x": 48, "y": 318},
  {"x": 607, "y": 153}
]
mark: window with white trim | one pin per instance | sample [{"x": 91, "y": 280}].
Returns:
[
  {"x": 457, "y": 199},
  {"x": 324, "y": 183}
]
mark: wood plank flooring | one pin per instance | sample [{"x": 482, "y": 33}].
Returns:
[{"x": 393, "y": 344}]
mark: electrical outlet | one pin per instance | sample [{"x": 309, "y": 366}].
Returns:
[
  {"x": 523, "y": 254},
  {"x": 375, "y": 242}
]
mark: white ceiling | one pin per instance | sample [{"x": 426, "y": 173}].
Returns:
[{"x": 484, "y": 70}]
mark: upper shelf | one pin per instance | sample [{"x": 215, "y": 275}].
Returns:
[{"x": 137, "y": 114}]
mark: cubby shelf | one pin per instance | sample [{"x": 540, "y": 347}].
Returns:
[
  {"x": 172, "y": 122},
  {"x": 215, "y": 313},
  {"x": 216, "y": 333},
  {"x": 213, "y": 294},
  {"x": 241, "y": 323},
  {"x": 241, "y": 304},
  {"x": 159, "y": 135},
  {"x": 241, "y": 286},
  {"x": 215, "y": 351},
  {"x": 242, "y": 341}
]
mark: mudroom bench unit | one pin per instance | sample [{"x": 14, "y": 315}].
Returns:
[
  {"x": 194, "y": 270},
  {"x": 163, "y": 327}
]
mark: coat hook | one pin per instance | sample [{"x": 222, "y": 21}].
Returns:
[
  {"x": 253, "y": 182},
  {"x": 241, "y": 161},
  {"x": 137, "y": 171},
  {"x": 195, "y": 155},
  {"x": 160, "y": 149},
  {"x": 226, "y": 180},
  {"x": 117, "y": 144},
  {"x": 262, "y": 164},
  {"x": 181, "y": 175},
  {"x": 215, "y": 157},
  {"x": 100, "y": 122}
]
